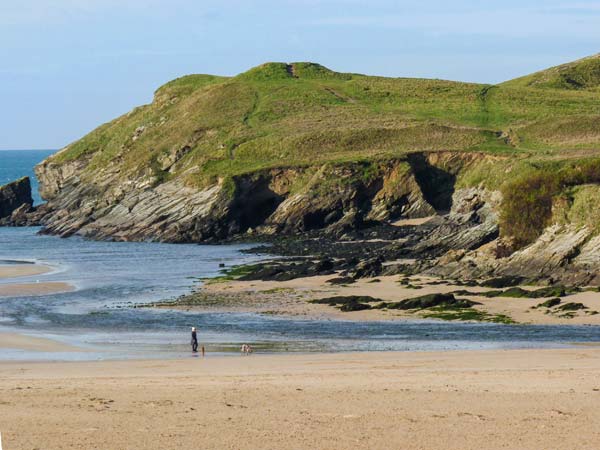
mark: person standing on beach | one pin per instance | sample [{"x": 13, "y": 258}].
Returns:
[{"x": 194, "y": 340}]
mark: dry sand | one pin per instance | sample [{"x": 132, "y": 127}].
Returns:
[
  {"x": 30, "y": 289},
  {"x": 412, "y": 222},
  {"x": 23, "y": 270},
  {"x": 292, "y": 298},
  {"x": 518, "y": 399}
]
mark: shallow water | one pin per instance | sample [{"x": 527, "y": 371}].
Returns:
[{"x": 111, "y": 276}]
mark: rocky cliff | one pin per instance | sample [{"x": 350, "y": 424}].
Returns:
[
  {"x": 506, "y": 171},
  {"x": 567, "y": 251},
  {"x": 15, "y": 201},
  {"x": 336, "y": 197}
]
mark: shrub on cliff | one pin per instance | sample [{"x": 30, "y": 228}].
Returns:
[{"x": 527, "y": 201}]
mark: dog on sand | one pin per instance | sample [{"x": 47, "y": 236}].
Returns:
[{"x": 246, "y": 350}]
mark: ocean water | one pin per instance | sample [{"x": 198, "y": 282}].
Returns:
[
  {"x": 15, "y": 164},
  {"x": 111, "y": 277}
]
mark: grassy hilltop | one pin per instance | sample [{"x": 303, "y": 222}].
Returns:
[{"x": 301, "y": 114}]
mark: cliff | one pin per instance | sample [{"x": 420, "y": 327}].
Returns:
[
  {"x": 285, "y": 200},
  {"x": 290, "y": 148},
  {"x": 15, "y": 201}
]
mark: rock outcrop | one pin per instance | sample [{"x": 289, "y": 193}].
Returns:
[
  {"x": 471, "y": 223},
  {"x": 15, "y": 202},
  {"x": 298, "y": 149},
  {"x": 563, "y": 254},
  {"x": 335, "y": 197}
]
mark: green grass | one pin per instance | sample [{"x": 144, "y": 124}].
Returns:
[
  {"x": 517, "y": 292},
  {"x": 468, "y": 314},
  {"x": 577, "y": 75},
  {"x": 538, "y": 131},
  {"x": 233, "y": 273},
  {"x": 573, "y": 207},
  {"x": 528, "y": 201},
  {"x": 304, "y": 113}
]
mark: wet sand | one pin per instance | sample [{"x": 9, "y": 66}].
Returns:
[
  {"x": 8, "y": 272},
  {"x": 28, "y": 343},
  {"x": 518, "y": 399},
  {"x": 23, "y": 270},
  {"x": 31, "y": 289},
  {"x": 292, "y": 298}
]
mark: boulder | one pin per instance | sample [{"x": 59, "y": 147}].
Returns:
[
  {"x": 341, "y": 280},
  {"x": 502, "y": 282},
  {"x": 572, "y": 307},
  {"x": 549, "y": 303},
  {"x": 368, "y": 268},
  {"x": 446, "y": 301},
  {"x": 348, "y": 303}
]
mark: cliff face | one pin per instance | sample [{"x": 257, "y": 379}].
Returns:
[
  {"x": 337, "y": 197},
  {"x": 567, "y": 252},
  {"x": 15, "y": 200},
  {"x": 289, "y": 148}
]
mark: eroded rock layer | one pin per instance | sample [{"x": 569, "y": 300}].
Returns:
[{"x": 337, "y": 197}]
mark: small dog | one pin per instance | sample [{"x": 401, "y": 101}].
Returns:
[{"x": 246, "y": 350}]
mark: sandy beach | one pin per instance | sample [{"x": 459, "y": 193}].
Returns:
[
  {"x": 11, "y": 272},
  {"x": 518, "y": 399},
  {"x": 292, "y": 298},
  {"x": 23, "y": 270}
]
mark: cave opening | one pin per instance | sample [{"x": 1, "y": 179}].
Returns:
[
  {"x": 255, "y": 203},
  {"x": 436, "y": 184}
]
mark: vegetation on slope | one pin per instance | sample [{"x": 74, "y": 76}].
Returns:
[
  {"x": 296, "y": 113},
  {"x": 528, "y": 202},
  {"x": 577, "y": 75},
  {"x": 204, "y": 128}
]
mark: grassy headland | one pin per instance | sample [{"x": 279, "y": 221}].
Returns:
[{"x": 204, "y": 129}]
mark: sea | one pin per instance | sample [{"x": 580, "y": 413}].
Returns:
[{"x": 100, "y": 316}]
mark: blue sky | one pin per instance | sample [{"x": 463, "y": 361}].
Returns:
[{"x": 67, "y": 66}]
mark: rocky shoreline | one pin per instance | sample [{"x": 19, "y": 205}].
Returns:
[
  {"x": 461, "y": 245},
  {"x": 346, "y": 167},
  {"x": 260, "y": 289}
]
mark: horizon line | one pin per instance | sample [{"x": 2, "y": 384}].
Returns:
[{"x": 28, "y": 149}]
